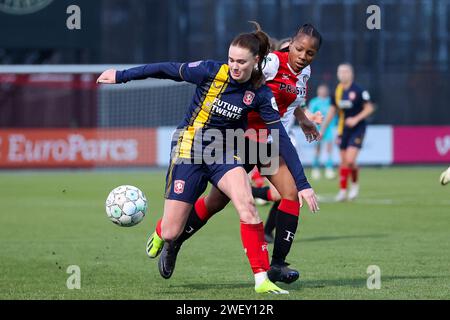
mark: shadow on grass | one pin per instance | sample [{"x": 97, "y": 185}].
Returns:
[
  {"x": 188, "y": 287},
  {"x": 345, "y": 237},
  {"x": 298, "y": 285}
]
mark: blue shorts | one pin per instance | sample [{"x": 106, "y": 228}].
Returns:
[
  {"x": 186, "y": 182},
  {"x": 352, "y": 137}
]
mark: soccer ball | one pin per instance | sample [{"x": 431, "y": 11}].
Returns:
[
  {"x": 445, "y": 177},
  {"x": 126, "y": 206}
]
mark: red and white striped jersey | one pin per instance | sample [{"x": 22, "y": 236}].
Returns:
[{"x": 289, "y": 89}]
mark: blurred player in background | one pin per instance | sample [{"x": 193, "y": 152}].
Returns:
[
  {"x": 286, "y": 74},
  {"x": 353, "y": 105},
  {"x": 322, "y": 104}
]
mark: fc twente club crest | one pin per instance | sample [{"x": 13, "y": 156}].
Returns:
[{"x": 248, "y": 97}]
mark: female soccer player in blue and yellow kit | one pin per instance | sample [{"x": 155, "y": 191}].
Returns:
[
  {"x": 353, "y": 105},
  {"x": 224, "y": 95},
  {"x": 286, "y": 74}
]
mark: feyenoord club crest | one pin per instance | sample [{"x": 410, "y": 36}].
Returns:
[
  {"x": 305, "y": 78},
  {"x": 178, "y": 187},
  {"x": 23, "y": 7},
  {"x": 248, "y": 97}
]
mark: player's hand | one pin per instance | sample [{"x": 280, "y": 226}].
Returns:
[
  {"x": 311, "y": 199},
  {"x": 351, "y": 122},
  {"x": 310, "y": 130},
  {"x": 317, "y": 118},
  {"x": 109, "y": 76}
]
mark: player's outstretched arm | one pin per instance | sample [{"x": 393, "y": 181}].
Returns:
[
  {"x": 308, "y": 126},
  {"x": 108, "y": 76},
  {"x": 316, "y": 117},
  {"x": 290, "y": 156}
]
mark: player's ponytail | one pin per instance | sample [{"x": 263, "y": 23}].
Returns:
[{"x": 258, "y": 43}]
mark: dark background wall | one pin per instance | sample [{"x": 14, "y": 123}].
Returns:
[{"x": 405, "y": 65}]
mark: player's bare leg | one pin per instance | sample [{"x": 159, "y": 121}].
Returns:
[
  {"x": 351, "y": 155},
  {"x": 235, "y": 184},
  {"x": 200, "y": 213},
  {"x": 344, "y": 172},
  {"x": 315, "y": 172},
  {"x": 172, "y": 224},
  {"x": 329, "y": 172}
]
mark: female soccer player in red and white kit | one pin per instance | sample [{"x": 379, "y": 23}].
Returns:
[{"x": 286, "y": 74}]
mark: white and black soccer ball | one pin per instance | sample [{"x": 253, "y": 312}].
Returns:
[{"x": 126, "y": 206}]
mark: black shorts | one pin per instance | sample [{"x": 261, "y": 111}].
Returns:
[{"x": 352, "y": 137}]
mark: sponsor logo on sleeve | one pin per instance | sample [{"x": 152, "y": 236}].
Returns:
[
  {"x": 274, "y": 104},
  {"x": 194, "y": 64},
  {"x": 366, "y": 95}
]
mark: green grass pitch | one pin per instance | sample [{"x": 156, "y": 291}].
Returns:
[{"x": 52, "y": 220}]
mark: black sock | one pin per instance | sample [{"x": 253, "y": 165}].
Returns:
[
  {"x": 260, "y": 193},
  {"x": 193, "y": 224},
  {"x": 284, "y": 237},
  {"x": 271, "y": 218}
]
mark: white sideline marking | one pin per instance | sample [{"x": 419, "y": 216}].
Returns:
[{"x": 329, "y": 198}]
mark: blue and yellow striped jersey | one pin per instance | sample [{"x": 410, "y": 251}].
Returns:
[
  {"x": 349, "y": 103},
  {"x": 220, "y": 103}
]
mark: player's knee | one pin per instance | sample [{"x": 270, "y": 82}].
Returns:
[
  {"x": 247, "y": 211},
  {"x": 351, "y": 164},
  {"x": 290, "y": 194}
]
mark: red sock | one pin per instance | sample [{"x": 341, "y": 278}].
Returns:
[
  {"x": 344, "y": 173},
  {"x": 269, "y": 195},
  {"x": 158, "y": 228},
  {"x": 255, "y": 247},
  {"x": 355, "y": 172},
  {"x": 290, "y": 207},
  {"x": 201, "y": 210},
  {"x": 257, "y": 178}
]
